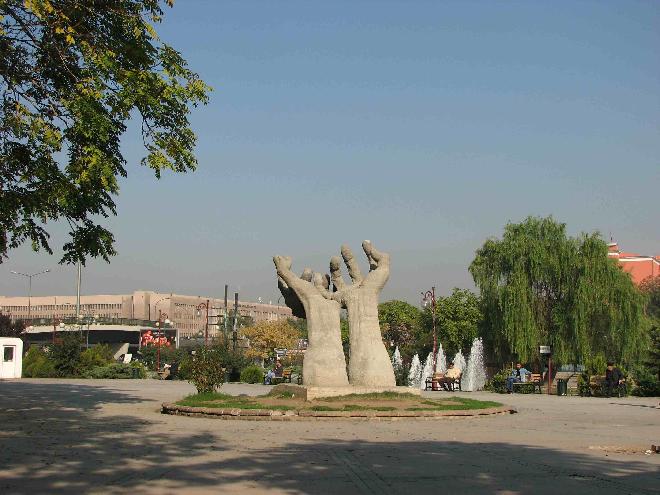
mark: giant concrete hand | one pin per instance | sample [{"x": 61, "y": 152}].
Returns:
[
  {"x": 369, "y": 364},
  {"x": 324, "y": 364}
]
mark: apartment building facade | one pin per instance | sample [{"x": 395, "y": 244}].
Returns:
[{"x": 186, "y": 313}]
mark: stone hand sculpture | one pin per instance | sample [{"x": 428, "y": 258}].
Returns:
[
  {"x": 369, "y": 364},
  {"x": 324, "y": 364}
]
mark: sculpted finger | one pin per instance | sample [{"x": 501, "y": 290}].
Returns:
[
  {"x": 352, "y": 264},
  {"x": 335, "y": 273},
  {"x": 375, "y": 256},
  {"x": 282, "y": 262},
  {"x": 307, "y": 275},
  {"x": 320, "y": 284}
]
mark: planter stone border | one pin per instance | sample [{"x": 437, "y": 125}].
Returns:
[{"x": 294, "y": 415}]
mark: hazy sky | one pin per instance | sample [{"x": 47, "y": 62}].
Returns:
[{"x": 423, "y": 126}]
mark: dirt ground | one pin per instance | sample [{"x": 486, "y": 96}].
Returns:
[{"x": 107, "y": 436}]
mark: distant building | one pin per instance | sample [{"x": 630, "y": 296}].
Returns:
[
  {"x": 181, "y": 310},
  {"x": 639, "y": 266}
]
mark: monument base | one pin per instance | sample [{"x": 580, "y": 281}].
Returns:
[{"x": 311, "y": 393}]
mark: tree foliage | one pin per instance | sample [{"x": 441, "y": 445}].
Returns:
[
  {"x": 265, "y": 336},
  {"x": 72, "y": 74},
  {"x": 400, "y": 324},
  {"x": 458, "y": 317},
  {"x": 541, "y": 287},
  {"x": 9, "y": 328},
  {"x": 650, "y": 287}
]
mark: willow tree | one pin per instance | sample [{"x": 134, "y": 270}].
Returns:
[
  {"x": 542, "y": 287},
  {"x": 72, "y": 75}
]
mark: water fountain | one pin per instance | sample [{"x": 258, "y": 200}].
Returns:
[
  {"x": 415, "y": 373},
  {"x": 428, "y": 370},
  {"x": 441, "y": 362},
  {"x": 475, "y": 373},
  {"x": 397, "y": 362},
  {"x": 459, "y": 361}
]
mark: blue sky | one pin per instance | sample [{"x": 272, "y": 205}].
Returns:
[{"x": 423, "y": 126}]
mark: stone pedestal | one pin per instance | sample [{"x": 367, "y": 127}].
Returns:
[{"x": 311, "y": 393}]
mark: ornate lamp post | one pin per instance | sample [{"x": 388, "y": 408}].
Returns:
[
  {"x": 162, "y": 318},
  {"x": 29, "y": 276},
  {"x": 199, "y": 313},
  {"x": 428, "y": 297}
]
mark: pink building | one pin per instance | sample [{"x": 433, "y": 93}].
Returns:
[
  {"x": 181, "y": 310},
  {"x": 639, "y": 266}
]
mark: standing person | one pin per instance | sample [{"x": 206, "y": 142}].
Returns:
[
  {"x": 518, "y": 375},
  {"x": 613, "y": 378}
]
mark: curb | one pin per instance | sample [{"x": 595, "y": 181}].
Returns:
[{"x": 296, "y": 415}]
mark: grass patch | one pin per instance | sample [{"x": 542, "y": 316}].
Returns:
[
  {"x": 383, "y": 401},
  {"x": 456, "y": 404},
  {"x": 281, "y": 395},
  {"x": 225, "y": 401},
  {"x": 371, "y": 396}
]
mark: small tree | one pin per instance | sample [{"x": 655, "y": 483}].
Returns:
[
  {"x": 268, "y": 335},
  {"x": 206, "y": 370},
  {"x": 66, "y": 354}
]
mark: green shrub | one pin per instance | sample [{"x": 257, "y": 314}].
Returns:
[
  {"x": 113, "y": 371},
  {"x": 206, "y": 369},
  {"x": 138, "y": 370},
  {"x": 498, "y": 382},
  {"x": 583, "y": 388},
  {"x": 37, "y": 364},
  {"x": 646, "y": 383},
  {"x": 66, "y": 354},
  {"x": 94, "y": 357},
  {"x": 252, "y": 374}
]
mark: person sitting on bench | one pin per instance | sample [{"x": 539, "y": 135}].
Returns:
[
  {"x": 450, "y": 377},
  {"x": 278, "y": 369},
  {"x": 613, "y": 378},
  {"x": 518, "y": 375},
  {"x": 268, "y": 379}
]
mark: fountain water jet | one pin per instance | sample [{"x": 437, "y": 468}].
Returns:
[
  {"x": 475, "y": 374},
  {"x": 441, "y": 361},
  {"x": 459, "y": 361},
  {"x": 415, "y": 373},
  {"x": 428, "y": 370}
]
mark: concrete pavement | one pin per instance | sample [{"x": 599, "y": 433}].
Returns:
[{"x": 107, "y": 436}]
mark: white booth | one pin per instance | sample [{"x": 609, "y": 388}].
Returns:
[{"x": 11, "y": 357}]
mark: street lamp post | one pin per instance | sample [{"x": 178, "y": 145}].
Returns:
[
  {"x": 89, "y": 320},
  {"x": 428, "y": 297},
  {"x": 162, "y": 318},
  {"x": 206, "y": 327},
  {"x": 29, "y": 276}
]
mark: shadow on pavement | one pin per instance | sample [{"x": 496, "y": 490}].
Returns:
[{"x": 67, "y": 447}]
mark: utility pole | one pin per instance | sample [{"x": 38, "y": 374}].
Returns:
[
  {"x": 78, "y": 292},
  {"x": 234, "y": 336},
  {"x": 226, "y": 320}
]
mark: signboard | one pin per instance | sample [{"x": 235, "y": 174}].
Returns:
[{"x": 544, "y": 349}]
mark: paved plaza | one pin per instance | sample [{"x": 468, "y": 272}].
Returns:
[{"x": 107, "y": 436}]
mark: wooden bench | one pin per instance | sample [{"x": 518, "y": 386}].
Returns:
[
  {"x": 534, "y": 380},
  {"x": 437, "y": 381},
  {"x": 285, "y": 378}
]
